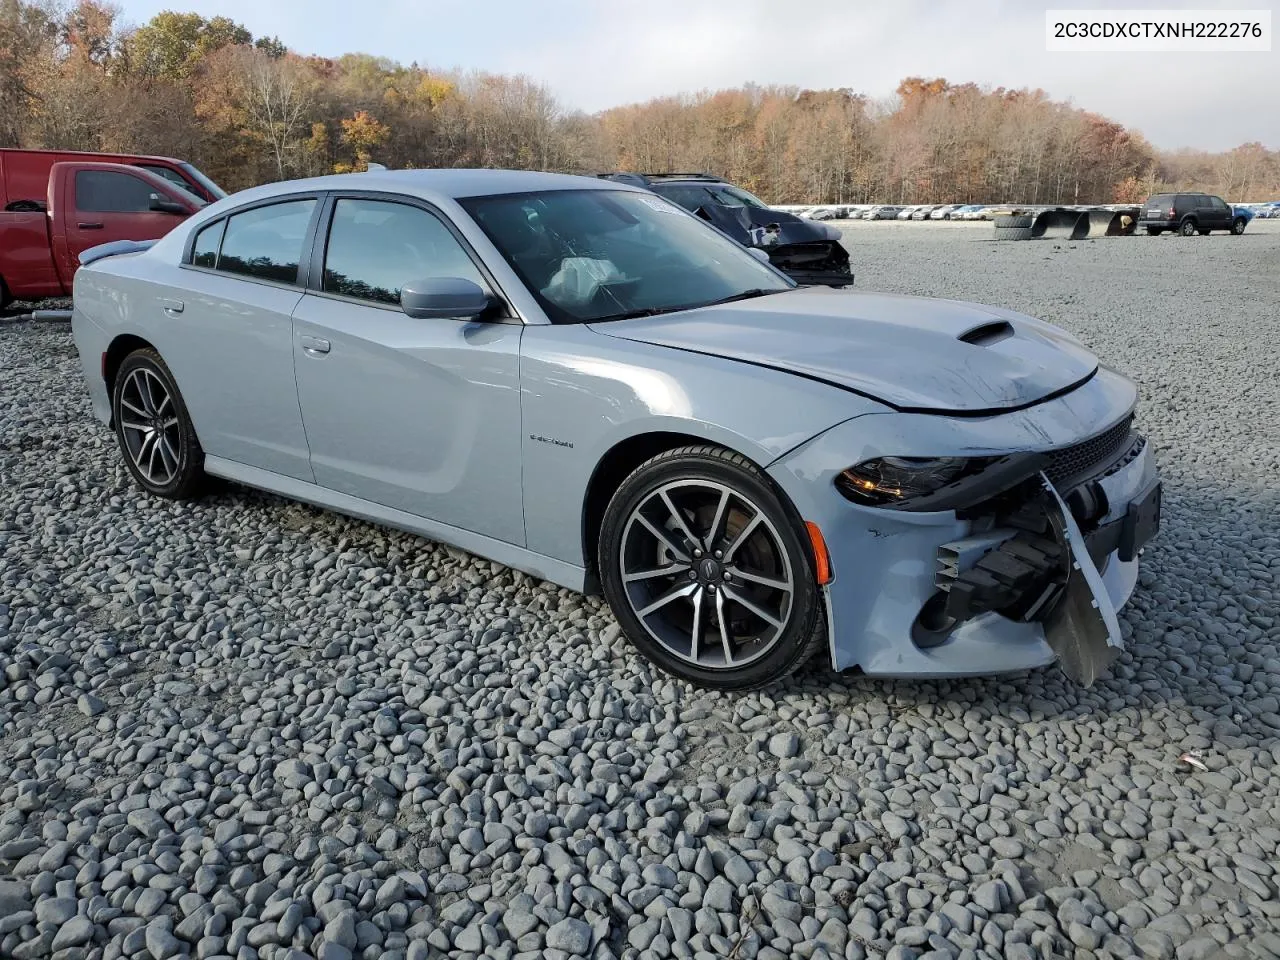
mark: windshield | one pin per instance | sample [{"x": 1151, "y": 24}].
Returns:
[
  {"x": 217, "y": 192},
  {"x": 591, "y": 255}
]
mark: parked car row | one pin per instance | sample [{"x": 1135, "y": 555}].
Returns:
[
  {"x": 1261, "y": 211},
  {"x": 889, "y": 211},
  {"x": 981, "y": 211},
  {"x": 895, "y": 211}
]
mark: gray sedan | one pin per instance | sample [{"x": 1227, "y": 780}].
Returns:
[{"x": 583, "y": 381}]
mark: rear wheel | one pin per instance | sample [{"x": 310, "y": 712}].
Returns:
[
  {"x": 1188, "y": 228},
  {"x": 1238, "y": 225},
  {"x": 153, "y": 428},
  {"x": 709, "y": 572}
]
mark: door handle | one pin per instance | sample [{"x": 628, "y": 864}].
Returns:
[
  {"x": 89, "y": 226},
  {"x": 172, "y": 307},
  {"x": 314, "y": 345}
]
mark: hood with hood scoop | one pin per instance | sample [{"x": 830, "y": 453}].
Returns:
[{"x": 913, "y": 353}]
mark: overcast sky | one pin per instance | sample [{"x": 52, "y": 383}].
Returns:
[{"x": 595, "y": 54}]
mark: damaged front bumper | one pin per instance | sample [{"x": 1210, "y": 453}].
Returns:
[
  {"x": 1050, "y": 575},
  {"x": 913, "y": 596},
  {"x": 819, "y": 263}
]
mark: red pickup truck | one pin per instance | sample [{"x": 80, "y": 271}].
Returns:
[
  {"x": 24, "y": 174},
  {"x": 87, "y": 204}
]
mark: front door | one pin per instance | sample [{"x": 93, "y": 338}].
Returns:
[
  {"x": 1222, "y": 213},
  {"x": 418, "y": 415},
  {"x": 106, "y": 205}
]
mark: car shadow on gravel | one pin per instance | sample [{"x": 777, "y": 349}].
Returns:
[{"x": 1202, "y": 632}]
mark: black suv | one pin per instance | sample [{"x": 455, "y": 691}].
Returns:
[
  {"x": 807, "y": 251},
  {"x": 1189, "y": 214}
]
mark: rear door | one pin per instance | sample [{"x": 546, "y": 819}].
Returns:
[
  {"x": 108, "y": 202},
  {"x": 230, "y": 333},
  {"x": 420, "y": 415},
  {"x": 1206, "y": 216}
]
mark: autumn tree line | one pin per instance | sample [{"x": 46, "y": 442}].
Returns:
[{"x": 247, "y": 110}]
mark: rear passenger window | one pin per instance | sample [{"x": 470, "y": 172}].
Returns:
[
  {"x": 376, "y": 247},
  {"x": 266, "y": 242},
  {"x": 205, "y": 251}
]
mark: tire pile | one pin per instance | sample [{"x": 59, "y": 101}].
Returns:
[{"x": 1014, "y": 226}]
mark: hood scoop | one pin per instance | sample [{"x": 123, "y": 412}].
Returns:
[{"x": 988, "y": 333}]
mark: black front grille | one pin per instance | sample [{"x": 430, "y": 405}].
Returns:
[{"x": 1080, "y": 461}]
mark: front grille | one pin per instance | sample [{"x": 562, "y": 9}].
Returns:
[{"x": 1079, "y": 461}]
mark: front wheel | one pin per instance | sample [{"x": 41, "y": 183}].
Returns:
[
  {"x": 1188, "y": 228},
  {"x": 709, "y": 572},
  {"x": 153, "y": 428},
  {"x": 1238, "y": 225}
]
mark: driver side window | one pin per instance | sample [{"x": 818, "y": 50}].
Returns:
[{"x": 375, "y": 247}]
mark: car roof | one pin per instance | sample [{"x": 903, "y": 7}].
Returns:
[{"x": 436, "y": 184}]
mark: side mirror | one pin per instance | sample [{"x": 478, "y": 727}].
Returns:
[
  {"x": 759, "y": 254},
  {"x": 160, "y": 205},
  {"x": 444, "y": 298}
]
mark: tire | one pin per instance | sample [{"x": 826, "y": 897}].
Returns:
[
  {"x": 1188, "y": 228},
  {"x": 1013, "y": 233},
  {"x": 696, "y": 503},
  {"x": 1016, "y": 221},
  {"x": 1238, "y": 225},
  {"x": 172, "y": 466},
  {"x": 1154, "y": 231}
]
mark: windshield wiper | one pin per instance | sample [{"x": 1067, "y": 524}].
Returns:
[
  {"x": 744, "y": 295},
  {"x": 634, "y": 314},
  {"x": 658, "y": 311}
]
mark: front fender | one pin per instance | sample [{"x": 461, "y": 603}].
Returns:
[
  {"x": 582, "y": 394},
  {"x": 884, "y": 561}
]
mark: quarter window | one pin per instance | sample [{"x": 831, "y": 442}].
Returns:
[
  {"x": 204, "y": 253},
  {"x": 375, "y": 247},
  {"x": 266, "y": 242},
  {"x": 100, "y": 191}
]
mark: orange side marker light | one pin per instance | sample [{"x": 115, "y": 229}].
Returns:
[{"x": 820, "y": 554}]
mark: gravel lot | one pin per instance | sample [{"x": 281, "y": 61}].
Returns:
[{"x": 249, "y": 728}]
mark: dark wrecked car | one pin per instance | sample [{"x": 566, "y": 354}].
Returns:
[{"x": 808, "y": 251}]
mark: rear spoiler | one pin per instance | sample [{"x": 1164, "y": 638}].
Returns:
[{"x": 114, "y": 249}]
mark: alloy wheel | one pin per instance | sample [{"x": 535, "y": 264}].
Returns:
[
  {"x": 706, "y": 573},
  {"x": 149, "y": 425}
]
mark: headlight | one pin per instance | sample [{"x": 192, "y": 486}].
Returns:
[{"x": 893, "y": 480}]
